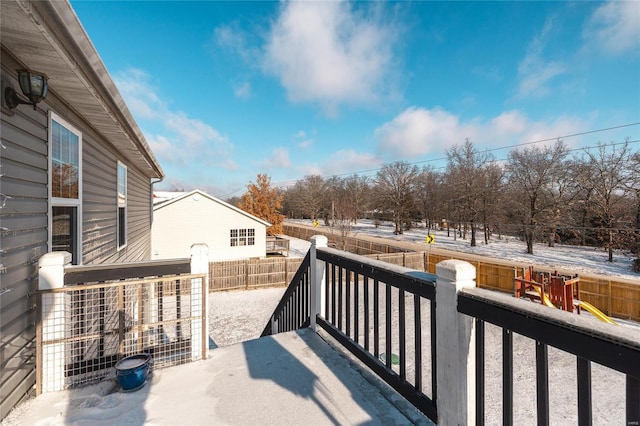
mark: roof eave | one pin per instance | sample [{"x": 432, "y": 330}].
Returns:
[{"x": 74, "y": 62}]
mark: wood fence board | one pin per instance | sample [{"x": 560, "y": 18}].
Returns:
[
  {"x": 252, "y": 273},
  {"x": 612, "y": 296}
]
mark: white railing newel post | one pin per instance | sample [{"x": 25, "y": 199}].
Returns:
[
  {"x": 317, "y": 280},
  {"x": 56, "y": 308},
  {"x": 200, "y": 301},
  {"x": 455, "y": 345}
]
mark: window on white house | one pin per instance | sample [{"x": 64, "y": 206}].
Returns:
[
  {"x": 122, "y": 205},
  {"x": 242, "y": 237},
  {"x": 65, "y": 157}
]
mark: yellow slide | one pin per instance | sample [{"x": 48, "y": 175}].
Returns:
[
  {"x": 543, "y": 297},
  {"x": 594, "y": 311}
]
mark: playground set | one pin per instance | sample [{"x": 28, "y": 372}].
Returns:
[{"x": 555, "y": 291}]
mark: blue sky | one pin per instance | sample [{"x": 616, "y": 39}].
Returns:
[{"x": 226, "y": 90}]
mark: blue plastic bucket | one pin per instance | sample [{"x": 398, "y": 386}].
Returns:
[{"x": 132, "y": 371}]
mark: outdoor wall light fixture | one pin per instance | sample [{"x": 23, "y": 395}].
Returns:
[{"x": 33, "y": 85}]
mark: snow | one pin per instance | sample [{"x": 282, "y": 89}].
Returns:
[
  {"x": 127, "y": 364},
  {"x": 575, "y": 259},
  {"x": 240, "y": 316}
]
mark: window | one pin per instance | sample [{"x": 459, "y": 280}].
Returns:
[
  {"x": 65, "y": 183},
  {"x": 122, "y": 205},
  {"x": 243, "y": 237}
]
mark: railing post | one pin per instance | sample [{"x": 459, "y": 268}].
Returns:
[
  {"x": 455, "y": 345},
  {"x": 317, "y": 280},
  {"x": 199, "y": 301},
  {"x": 55, "y": 309}
]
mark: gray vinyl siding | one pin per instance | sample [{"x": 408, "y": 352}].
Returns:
[
  {"x": 23, "y": 165},
  {"x": 139, "y": 211},
  {"x": 99, "y": 206},
  {"x": 24, "y": 168}
]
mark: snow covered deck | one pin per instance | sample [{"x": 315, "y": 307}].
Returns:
[{"x": 290, "y": 378}]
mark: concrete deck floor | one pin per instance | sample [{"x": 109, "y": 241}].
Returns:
[{"x": 294, "y": 378}]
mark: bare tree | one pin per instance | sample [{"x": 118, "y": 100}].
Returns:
[
  {"x": 357, "y": 191},
  {"x": 492, "y": 201},
  {"x": 559, "y": 194},
  {"x": 466, "y": 170},
  {"x": 308, "y": 196},
  {"x": 608, "y": 177},
  {"x": 341, "y": 223},
  {"x": 634, "y": 187},
  {"x": 530, "y": 171},
  {"x": 395, "y": 186},
  {"x": 428, "y": 191}
]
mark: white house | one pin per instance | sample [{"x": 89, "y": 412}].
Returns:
[{"x": 197, "y": 217}]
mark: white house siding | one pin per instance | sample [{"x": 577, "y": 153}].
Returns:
[
  {"x": 180, "y": 224},
  {"x": 23, "y": 165}
]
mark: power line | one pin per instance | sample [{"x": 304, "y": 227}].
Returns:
[
  {"x": 364, "y": 172},
  {"x": 584, "y": 148}
]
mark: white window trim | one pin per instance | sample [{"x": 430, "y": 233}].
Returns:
[
  {"x": 126, "y": 205},
  {"x": 64, "y": 202},
  {"x": 239, "y": 238}
]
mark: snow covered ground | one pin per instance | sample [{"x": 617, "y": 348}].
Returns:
[
  {"x": 239, "y": 316},
  {"x": 562, "y": 257}
]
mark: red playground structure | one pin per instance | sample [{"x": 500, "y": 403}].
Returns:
[{"x": 554, "y": 290}]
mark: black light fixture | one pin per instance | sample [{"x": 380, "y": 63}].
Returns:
[{"x": 33, "y": 85}]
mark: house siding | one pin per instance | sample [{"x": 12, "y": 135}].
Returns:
[
  {"x": 24, "y": 222},
  {"x": 23, "y": 218},
  {"x": 180, "y": 224},
  {"x": 100, "y": 206}
]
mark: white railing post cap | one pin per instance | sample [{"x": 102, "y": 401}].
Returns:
[
  {"x": 319, "y": 241},
  {"x": 51, "y": 269},
  {"x": 456, "y": 270},
  {"x": 56, "y": 258},
  {"x": 199, "y": 249}
]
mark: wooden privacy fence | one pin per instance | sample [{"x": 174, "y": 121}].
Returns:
[
  {"x": 252, "y": 273},
  {"x": 350, "y": 244},
  {"x": 615, "y": 297}
]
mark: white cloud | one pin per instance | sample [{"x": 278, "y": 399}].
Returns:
[
  {"x": 233, "y": 39},
  {"x": 139, "y": 93},
  {"x": 279, "y": 159},
  {"x": 350, "y": 161},
  {"x": 614, "y": 27},
  {"x": 346, "y": 161},
  {"x": 182, "y": 140},
  {"x": 535, "y": 73},
  {"x": 417, "y": 132},
  {"x": 243, "y": 90},
  {"x": 509, "y": 123},
  {"x": 330, "y": 54},
  {"x": 302, "y": 140},
  {"x": 550, "y": 131}
]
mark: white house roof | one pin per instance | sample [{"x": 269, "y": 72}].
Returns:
[
  {"x": 168, "y": 200},
  {"x": 47, "y": 36},
  {"x": 162, "y": 196}
]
